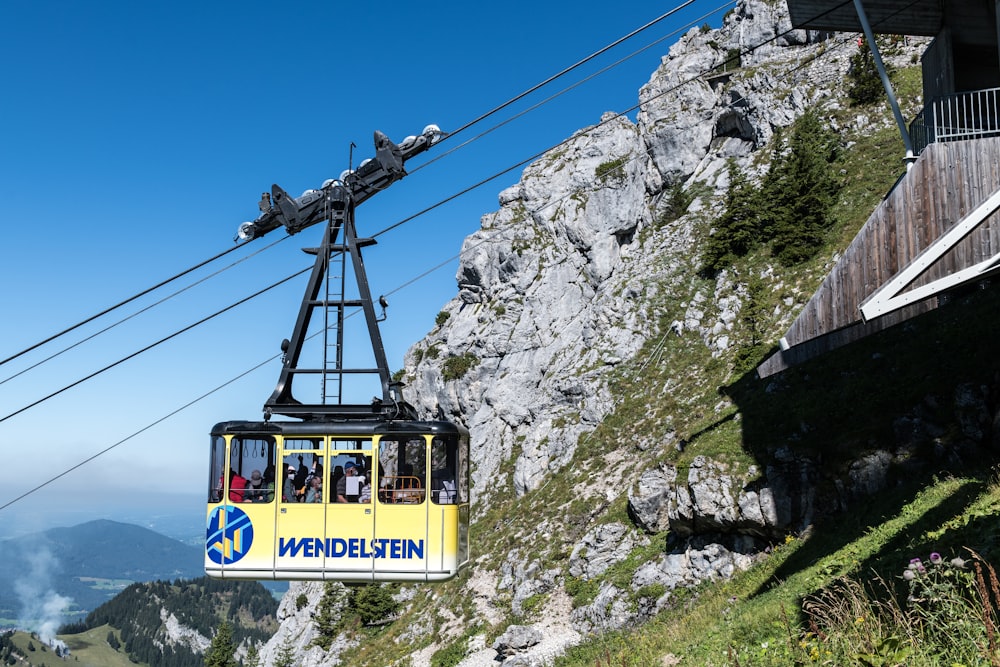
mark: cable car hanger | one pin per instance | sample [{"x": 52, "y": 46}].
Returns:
[{"x": 334, "y": 203}]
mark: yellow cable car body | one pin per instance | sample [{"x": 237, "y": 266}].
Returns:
[{"x": 390, "y": 504}]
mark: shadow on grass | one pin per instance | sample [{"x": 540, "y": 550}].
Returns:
[
  {"x": 889, "y": 559},
  {"x": 894, "y": 391}
]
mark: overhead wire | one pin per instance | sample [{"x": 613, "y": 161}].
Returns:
[
  {"x": 410, "y": 282},
  {"x": 142, "y": 430},
  {"x": 142, "y": 310},
  {"x": 567, "y": 70},
  {"x": 120, "y": 304},
  {"x": 155, "y": 344},
  {"x": 567, "y": 89},
  {"x": 611, "y": 118}
]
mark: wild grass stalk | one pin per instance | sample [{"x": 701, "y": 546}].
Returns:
[{"x": 948, "y": 615}]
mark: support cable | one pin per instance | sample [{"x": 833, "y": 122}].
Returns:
[
  {"x": 567, "y": 70},
  {"x": 142, "y": 430},
  {"x": 152, "y": 345},
  {"x": 120, "y": 304},
  {"x": 138, "y": 312},
  {"x": 567, "y": 89}
]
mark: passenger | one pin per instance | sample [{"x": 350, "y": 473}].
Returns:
[
  {"x": 349, "y": 486},
  {"x": 317, "y": 466},
  {"x": 315, "y": 492},
  {"x": 288, "y": 488},
  {"x": 236, "y": 486},
  {"x": 255, "y": 488},
  {"x": 269, "y": 483},
  {"x": 300, "y": 475},
  {"x": 366, "y": 489},
  {"x": 338, "y": 474},
  {"x": 217, "y": 491},
  {"x": 444, "y": 489}
]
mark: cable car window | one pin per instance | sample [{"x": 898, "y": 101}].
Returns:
[
  {"x": 402, "y": 469},
  {"x": 463, "y": 470},
  {"x": 251, "y": 470},
  {"x": 216, "y": 467},
  {"x": 350, "y": 478},
  {"x": 297, "y": 480},
  {"x": 289, "y": 444},
  {"x": 355, "y": 444},
  {"x": 444, "y": 471}
]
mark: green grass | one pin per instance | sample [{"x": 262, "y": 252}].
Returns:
[
  {"x": 88, "y": 649},
  {"x": 756, "y": 618},
  {"x": 91, "y": 647}
]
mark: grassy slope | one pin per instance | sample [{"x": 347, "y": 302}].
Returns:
[
  {"x": 91, "y": 647},
  {"x": 88, "y": 649},
  {"x": 743, "y": 620}
]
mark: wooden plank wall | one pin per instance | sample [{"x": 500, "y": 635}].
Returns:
[{"x": 946, "y": 183}]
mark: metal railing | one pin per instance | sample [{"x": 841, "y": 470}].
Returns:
[{"x": 970, "y": 115}]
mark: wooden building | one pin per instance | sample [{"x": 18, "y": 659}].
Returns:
[{"x": 939, "y": 229}]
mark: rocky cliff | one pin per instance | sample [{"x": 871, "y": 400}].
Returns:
[{"x": 584, "y": 350}]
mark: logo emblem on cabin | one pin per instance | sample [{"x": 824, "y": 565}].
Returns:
[{"x": 230, "y": 535}]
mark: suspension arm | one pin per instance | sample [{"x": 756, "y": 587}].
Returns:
[{"x": 373, "y": 175}]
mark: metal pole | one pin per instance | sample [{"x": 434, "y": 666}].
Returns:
[{"x": 866, "y": 27}]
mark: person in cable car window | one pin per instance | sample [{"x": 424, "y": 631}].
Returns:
[
  {"x": 444, "y": 489},
  {"x": 268, "y": 494},
  {"x": 315, "y": 492},
  {"x": 366, "y": 489},
  {"x": 300, "y": 475},
  {"x": 349, "y": 486},
  {"x": 335, "y": 477},
  {"x": 288, "y": 489},
  {"x": 236, "y": 486},
  {"x": 255, "y": 488}
]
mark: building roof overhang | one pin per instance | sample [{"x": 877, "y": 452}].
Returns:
[{"x": 971, "y": 21}]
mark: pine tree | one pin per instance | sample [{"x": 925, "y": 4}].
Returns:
[
  {"x": 865, "y": 83},
  {"x": 800, "y": 190},
  {"x": 373, "y": 602},
  {"x": 738, "y": 229},
  {"x": 252, "y": 658},
  {"x": 327, "y": 616},
  {"x": 286, "y": 654},
  {"x": 222, "y": 651},
  {"x": 754, "y": 320}
]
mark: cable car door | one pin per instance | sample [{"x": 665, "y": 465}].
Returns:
[
  {"x": 350, "y": 515},
  {"x": 400, "y": 542},
  {"x": 300, "y": 535}
]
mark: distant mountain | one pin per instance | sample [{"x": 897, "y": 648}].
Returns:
[{"x": 89, "y": 563}]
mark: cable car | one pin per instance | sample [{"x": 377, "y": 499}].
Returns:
[
  {"x": 350, "y": 501},
  {"x": 342, "y": 492}
]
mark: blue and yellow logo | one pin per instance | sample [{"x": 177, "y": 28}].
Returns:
[{"x": 230, "y": 535}]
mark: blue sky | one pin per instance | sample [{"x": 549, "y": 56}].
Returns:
[{"x": 137, "y": 136}]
